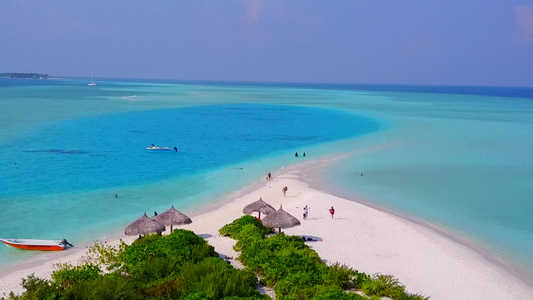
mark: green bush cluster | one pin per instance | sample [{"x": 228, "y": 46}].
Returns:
[
  {"x": 183, "y": 266},
  {"x": 177, "y": 266},
  {"x": 68, "y": 275},
  {"x": 295, "y": 271},
  {"x": 386, "y": 285},
  {"x": 234, "y": 229}
]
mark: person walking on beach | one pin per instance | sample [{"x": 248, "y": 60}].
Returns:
[
  {"x": 284, "y": 191},
  {"x": 332, "y": 211},
  {"x": 269, "y": 176},
  {"x": 306, "y": 211}
]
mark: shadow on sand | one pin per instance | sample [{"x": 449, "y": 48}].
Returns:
[{"x": 310, "y": 238}]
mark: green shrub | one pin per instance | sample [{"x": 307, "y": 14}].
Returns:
[
  {"x": 344, "y": 277},
  {"x": 233, "y": 229},
  {"x": 359, "y": 279},
  {"x": 68, "y": 275},
  {"x": 373, "y": 287},
  {"x": 37, "y": 289},
  {"x": 288, "y": 261},
  {"x": 196, "y": 296},
  {"x": 166, "y": 288},
  {"x": 105, "y": 255},
  {"x": 248, "y": 234},
  {"x": 107, "y": 287},
  {"x": 259, "y": 252},
  {"x": 386, "y": 285},
  {"x": 337, "y": 294},
  {"x": 278, "y": 256},
  {"x": 217, "y": 279},
  {"x": 298, "y": 285},
  {"x": 339, "y": 275},
  {"x": 153, "y": 257}
]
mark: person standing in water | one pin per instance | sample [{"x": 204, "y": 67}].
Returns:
[{"x": 296, "y": 154}]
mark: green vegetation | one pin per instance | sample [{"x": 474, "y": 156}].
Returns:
[
  {"x": 295, "y": 271},
  {"x": 177, "y": 266},
  {"x": 25, "y": 75},
  {"x": 235, "y": 228},
  {"x": 183, "y": 266}
]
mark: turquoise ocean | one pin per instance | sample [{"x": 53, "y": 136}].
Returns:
[{"x": 456, "y": 158}]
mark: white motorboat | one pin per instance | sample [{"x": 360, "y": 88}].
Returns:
[{"x": 154, "y": 148}]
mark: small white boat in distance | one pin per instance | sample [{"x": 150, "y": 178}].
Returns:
[
  {"x": 154, "y": 148},
  {"x": 43, "y": 245},
  {"x": 92, "y": 83}
]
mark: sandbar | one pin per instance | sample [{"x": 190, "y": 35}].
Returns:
[{"x": 361, "y": 237}]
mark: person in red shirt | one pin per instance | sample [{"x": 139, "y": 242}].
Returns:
[{"x": 332, "y": 211}]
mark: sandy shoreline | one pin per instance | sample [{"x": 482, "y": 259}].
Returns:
[{"x": 367, "y": 239}]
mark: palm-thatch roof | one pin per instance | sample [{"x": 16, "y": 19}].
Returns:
[
  {"x": 172, "y": 217},
  {"x": 144, "y": 226},
  {"x": 259, "y": 206},
  {"x": 280, "y": 219}
]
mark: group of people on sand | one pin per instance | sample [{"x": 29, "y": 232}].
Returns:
[{"x": 306, "y": 212}]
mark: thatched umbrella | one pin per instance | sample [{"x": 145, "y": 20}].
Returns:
[
  {"x": 280, "y": 219},
  {"x": 259, "y": 206},
  {"x": 144, "y": 226},
  {"x": 172, "y": 217}
]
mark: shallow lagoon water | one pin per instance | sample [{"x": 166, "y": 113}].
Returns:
[
  {"x": 453, "y": 157},
  {"x": 461, "y": 163}
]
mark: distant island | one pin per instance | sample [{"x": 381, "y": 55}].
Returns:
[{"x": 25, "y": 75}]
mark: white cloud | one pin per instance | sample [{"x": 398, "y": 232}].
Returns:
[{"x": 524, "y": 20}]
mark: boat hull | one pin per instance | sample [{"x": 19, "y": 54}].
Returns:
[
  {"x": 40, "y": 245},
  {"x": 159, "y": 149}
]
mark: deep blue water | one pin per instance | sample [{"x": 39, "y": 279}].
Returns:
[{"x": 106, "y": 151}]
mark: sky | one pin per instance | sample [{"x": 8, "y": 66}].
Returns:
[{"x": 427, "y": 42}]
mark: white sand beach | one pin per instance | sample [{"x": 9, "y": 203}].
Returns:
[{"x": 364, "y": 238}]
